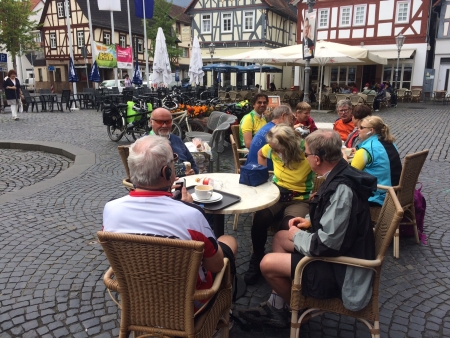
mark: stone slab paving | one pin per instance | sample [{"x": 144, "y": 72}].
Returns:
[{"x": 51, "y": 266}]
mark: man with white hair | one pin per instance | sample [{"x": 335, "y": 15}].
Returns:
[{"x": 150, "y": 209}]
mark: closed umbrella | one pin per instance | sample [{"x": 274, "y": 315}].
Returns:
[
  {"x": 94, "y": 76},
  {"x": 259, "y": 56},
  {"x": 72, "y": 74},
  {"x": 161, "y": 64},
  {"x": 137, "y": 76},
  {"x": 196, "y": 64}
]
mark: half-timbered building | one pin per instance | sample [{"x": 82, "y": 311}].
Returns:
[
  {"x": 56, "y": 44},
  {"x": 237, "y": 26},
  {"x": 442, "y": 47},
  {"x": 374, "y": 24}
]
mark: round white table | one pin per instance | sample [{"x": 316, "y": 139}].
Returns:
[{"x": 252, "y": 198}]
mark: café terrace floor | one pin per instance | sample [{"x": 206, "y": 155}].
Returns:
[{"x": 51, "y": 265}]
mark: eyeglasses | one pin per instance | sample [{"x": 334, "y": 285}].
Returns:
[
  {"x": 261, "y": 102},
  {"x": 361, "y": 127},
  {"x": 175, "y": 157},
  {"x": 161, "y": 122},
  {"x": 343, "y": 110},
  {"x": 306, "y": 154}
]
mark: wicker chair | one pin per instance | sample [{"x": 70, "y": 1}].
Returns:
[
  {"x": 238, "y": 161},
  {"x": 156, "y": 280},
  {"x": 124, "y": 151},
  {"x": 369, "y": 101},
  {"x": 401, "y": 94},
  {"x": 340, "y": 97},
  {"x": 416, "y": 94},
  {"x": 390, "y": 217},
  {"x": 412, "y": 166},
  {"x": 332, "y": 100}
]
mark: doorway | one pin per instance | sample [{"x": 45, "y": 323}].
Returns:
[
  {"x": 444, "y": 70},
  {"x": 369, "y": 75}
]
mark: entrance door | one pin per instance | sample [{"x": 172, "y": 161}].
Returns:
[
  {"x": 368, "y": 75},
  {"x": 443, "y": 77}
]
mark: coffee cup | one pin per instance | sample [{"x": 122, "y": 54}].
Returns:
[
  {"x": 347, "y": 151},
  {"x": 204, "y": 192}
]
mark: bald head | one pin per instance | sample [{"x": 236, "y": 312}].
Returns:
[{"x": 161, "y": 122}]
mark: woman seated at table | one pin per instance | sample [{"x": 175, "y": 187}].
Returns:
[
  {"x": 358, "y": 114},
  {"x": 377, "y": 155},
  {"x": 294, "y": 178}
]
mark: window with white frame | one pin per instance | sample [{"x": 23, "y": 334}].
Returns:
[
  {"x": 37, "y": 37},
  {"x": 140, "y": 45},
  {"x": 122, "y": 41},
  {"x": 60, "y": 9},
  {"x": 227, "y": 23},
  {"x": 80, "y": 38},
  {"x": 249, "y": 21},
  {"x": 206, "y": 23},
  {"x": 346, "y": 14},
  {"x": 402, "y": 11},
  {"x": 53, "y": 40},
  {"x": 360, "y": 16},
  {"x": 404, "y": 74},
  {"x": 342, "y": 75},
  {"x": 107, "y": 38},
  {"x": 323, "y": 18}
]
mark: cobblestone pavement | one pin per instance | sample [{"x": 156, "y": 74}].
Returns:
[{"x": 51, "y": 266}]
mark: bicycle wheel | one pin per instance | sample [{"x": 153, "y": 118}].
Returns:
[
  {"x": 116, "y": 132},
  {"x": 140, "y": 130},
  {"x": 176, "y": 130},
  {"x": 197, "y": 125},
  {"x": 169, "y": 104}
]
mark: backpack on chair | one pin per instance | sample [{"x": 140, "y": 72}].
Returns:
[{"x": 420, "y": 205}]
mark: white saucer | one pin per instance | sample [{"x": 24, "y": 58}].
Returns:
[{"x": 216, "y": 197}]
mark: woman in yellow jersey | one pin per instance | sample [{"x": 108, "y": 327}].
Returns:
[{"x": 294, "y": 178}]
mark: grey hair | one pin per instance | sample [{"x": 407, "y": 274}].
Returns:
[
  {"x": 326, "y": 144},
  {"x": 343, "y": 103},
  {"x": 280, "y": 110},
  {"x": 148, "y": 155}
]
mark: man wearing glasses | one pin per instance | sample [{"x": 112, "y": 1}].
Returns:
[
  {"x": 344, "y": 125},
  {"x": 150, "y": 209},
  {"x": 253, "y": 121},
  {"x": 338, "y": 224},
  {"x": 161, "y": 122}
]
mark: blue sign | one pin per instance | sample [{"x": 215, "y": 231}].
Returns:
[
  {"x": 3, "y": 57},
  {"x": 51, "y": 68}
]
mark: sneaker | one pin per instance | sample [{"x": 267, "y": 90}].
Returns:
[
  {"x": 254, "y": 272},
  {"x": 377, "y": 110},
  {"x": 16, "y": 118},
  {"x": 266, "y": 314}
]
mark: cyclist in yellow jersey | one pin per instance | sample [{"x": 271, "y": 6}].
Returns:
[{"x": 253, "y": 121}]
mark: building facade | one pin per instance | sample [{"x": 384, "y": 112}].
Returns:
[
  {"x": 55, "y": 42},
  {"x": 442, "y": 47},
  {"x": 374, "y": 24},
  {"x": 237, "y": 26}
]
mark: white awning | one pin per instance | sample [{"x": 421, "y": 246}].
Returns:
[{"x": 393, "y": 53}]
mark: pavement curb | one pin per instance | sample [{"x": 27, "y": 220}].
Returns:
[{"x": 83, "y": 160}]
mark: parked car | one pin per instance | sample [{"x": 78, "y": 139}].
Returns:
[
  {"x": 112, "y": 83},
  {"x": 29, "y": 84}
]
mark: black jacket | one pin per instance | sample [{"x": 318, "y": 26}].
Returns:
[{"x": 12, "y": 94}]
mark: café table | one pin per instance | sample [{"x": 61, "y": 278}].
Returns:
[
  {"x": 252, "y": 198},
  {"x": 47, "y": 101}
]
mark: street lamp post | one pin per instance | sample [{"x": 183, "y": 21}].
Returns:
[
  {"x": 310, "y": 4},
  {"x": 399, "y": 40},
  {"x": 212, "y": 48}
]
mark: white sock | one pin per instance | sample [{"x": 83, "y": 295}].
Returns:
[{"x": 276, "y": 301}]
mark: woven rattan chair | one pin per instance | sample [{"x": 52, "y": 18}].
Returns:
[
  {"x": 124, "y": 151},
  {"x": 369, "y": 101},
  {"x": 412, "y": 166},
  {"x": 416, "y": 94},
  {"x": 332, "y": 99},
  {"x": 401, "y": 94},
  {"x": 238, "y": 161},
  {"x": 156, "y": 279},
  {"x": 390, "y": 216}
]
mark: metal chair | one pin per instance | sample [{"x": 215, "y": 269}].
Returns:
[
  {"x": 64, "y": 99},
  {"x": 388, "y": 221}
]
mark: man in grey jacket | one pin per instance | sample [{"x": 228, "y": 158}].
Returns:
[{"x": 338, "y": 225}]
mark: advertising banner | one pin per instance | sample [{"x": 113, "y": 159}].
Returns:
[
  {"x": 105, "y": 55},
  {"x": 124, "y": 57},
  {"x": 309, "y": 35}
]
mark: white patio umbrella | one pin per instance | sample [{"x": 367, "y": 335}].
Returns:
[
  {"x": 356, "y": 52},
  {"x": 196, "y": 64},
  {"x": 322, "y": 56},
  {"x": 161, "y": 64},
  {"x": 259, "y": 56}
]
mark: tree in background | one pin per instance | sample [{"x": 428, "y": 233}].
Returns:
[
  {"x": 161, "y": 18},
  {"x": 16, "y": 28}
]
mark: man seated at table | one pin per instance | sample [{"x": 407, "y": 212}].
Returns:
[
  {"x": 338, "y": 224},
  {"x": 253, "y": 121},
  {"x": 303, "y": 117},
  {"x": 344, "y": 125},
  {"x": 161, "y": 122},
  {"x": 149, "y": 209},
  {"x": 281, "y": 114}
]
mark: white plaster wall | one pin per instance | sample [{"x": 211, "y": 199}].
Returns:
[
  {"x": 386, "y": 11},
  {"x": 442, "y": 50}
]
